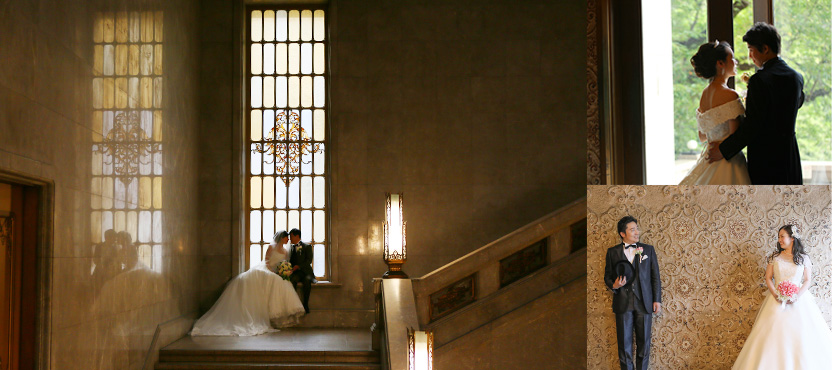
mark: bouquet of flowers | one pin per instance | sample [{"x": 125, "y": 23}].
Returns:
[
  {"x": 284, "y": 269},
  {"x": 787, "y": 292}
]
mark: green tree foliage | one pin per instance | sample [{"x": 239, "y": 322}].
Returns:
[{"x": 806, "y": 30}]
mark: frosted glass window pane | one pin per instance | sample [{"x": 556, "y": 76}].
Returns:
[
  {"x": 268, "y": 163},
  {"x": 97, "y": 93},
  {"x": 145, "y": 226},
  {"x": 256, "y": 125},
  {"x": 121, "y": 27},
  {"x": 320, "y": 60},
  {"x": 106, "y": 222},
  {"x": 306, "y": 164},
  {"x": 268, "y": 92},
  {"x": 157, "y": 60},
  {"x": 256, "y": 59},
  {"x": 306, "y": 58},
  {"x": 280, "y": 88},
  {"x": 256, "y": 190},
  {"x": 119, "y": 221},
  {"x": 121, "y": 60},
  {"x": 133, "y": 224},
  {"x": 268, "y": 192},
  {"x": 98, "y": 60},
  {"x": 107, "y": 93},
  {"x": 121, "y": 93},
  {"x": 268, "y": 226},
  {"x": 306, "y": 121},
  {"x": 320, "y": 226},
  {"x": 256, "y": 25},
  {"x": 135, "y": 26},
  {"x": 95, "y": 190},
  {"x": 294, "y": 91},
  {"x": 281, "y": 25},
  {"x": 319, "y": 129},
  {"x": 294, "y": 58},
  {"x": 157, "y": 92},
  {"x": 320, "y": 89},
  {"x": 268, "y": 123},
  {"x": 146, "y": 92},
  {"x": 320, "y": 192},
  {"x": 255, "y": 253},
  {"x": 318, "y": 161},
  {"x": 281, "y": 58},
  {"x": 157, "y": 226},
  {"x": 97, "y": 163},
  {"x": 158, "y": 26},
  {"x": 133, "y": 194},
  {"x": 256, "y": 160},
  {"x": 320, "y": 25},
  {"x": 306, "y": 192},
  {"x": 146, "y": 59},
  {"x": 280, "y": 221},
  {"x": 145, "y": 192},
  {"x": 294, "y": 220},
  {"x": 157, "y": 162},
  {"x": 306, "y": 25},
  {"x": 109, "y": 27},
  {"x": 109, "y": 60},
  {"x": 157, "y": 193},
  {"x": 255, "y": 226},
  {"x": 95, "y": 227},
  {"x": 280, "y": 194},
  {"x": 120, "y": 195},
  {"x": 133, "y": 59},
  {"x": 98, "y": 28},
  {"x": 268, "y": 59},
  {"x": 294, "y": 193},
  {"x": 268, "y": 25},
  {"x": 157, "y": 126},
  {"x": 147, "y": 27},
  {"x": 107, "y": 193},
  {"x": 256, "y": 89},
  {"x": 306, "y": 225},
  {"x": 133, "y": 92},
  {"x": 306, "y": 91},
  {"x": 294, "y": 25},
  {"x": 319, "y": 261}
]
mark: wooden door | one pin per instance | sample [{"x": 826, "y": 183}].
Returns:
[{"x": 18, "y": 260}]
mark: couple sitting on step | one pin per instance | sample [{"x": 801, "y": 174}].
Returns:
[{"x": 259, "y": 300}]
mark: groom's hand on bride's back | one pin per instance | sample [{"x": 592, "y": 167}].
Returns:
[{"x": 713, "y": 152}]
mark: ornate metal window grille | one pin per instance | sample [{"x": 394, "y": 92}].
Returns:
[
  {"x": 287, "y": 185},
  {"x": 126, "y": 199}
]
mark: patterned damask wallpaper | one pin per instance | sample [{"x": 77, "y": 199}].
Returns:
[
  {"x": 712, "y": 242},
  {"x": 593, "y": 111}
]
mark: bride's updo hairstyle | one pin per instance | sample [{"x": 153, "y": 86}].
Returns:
[
  {"x": 704, "y": 61},
  {"x": 797, "y": 247},
  {"x": 278, "y": 236}
]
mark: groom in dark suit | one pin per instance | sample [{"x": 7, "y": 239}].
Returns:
[
  {"x": 634, "y": 301},
  {"x": 775, "y": 93},
  {"x": 301, "y": 260}
]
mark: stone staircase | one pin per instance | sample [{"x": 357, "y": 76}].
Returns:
[{"x": 288, "y": 349}]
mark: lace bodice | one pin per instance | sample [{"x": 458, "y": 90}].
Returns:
[
  {"x": 714, "y": 122},
  {"x": 276, "y": 255},
  {"x": 785, "y": 269}
]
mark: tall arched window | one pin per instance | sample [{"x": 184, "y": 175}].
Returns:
[{"x": 287, "y": 184}]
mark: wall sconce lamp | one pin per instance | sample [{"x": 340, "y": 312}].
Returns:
[
  {"x": 420, "y": 349},
  {"x": 395, "y": 238}
]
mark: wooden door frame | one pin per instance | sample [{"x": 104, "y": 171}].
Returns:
[{"x": 37, "y": 343}]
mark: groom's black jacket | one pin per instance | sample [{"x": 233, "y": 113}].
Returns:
[
  {"x": 303, "y": 258},
  {"x": 648, "y": 277},
  {"x": 775, "y": 93}
]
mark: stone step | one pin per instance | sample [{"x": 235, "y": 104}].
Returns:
[
  {"x": 265, "y": 366},
  {"x": 254, "y": 356}
]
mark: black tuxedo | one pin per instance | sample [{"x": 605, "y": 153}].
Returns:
[
  {"x": 633, "y": 304},
  {"x": 775, "y": 93},
  {"x": 302, "y": 255}
]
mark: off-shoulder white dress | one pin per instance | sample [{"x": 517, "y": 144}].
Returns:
[{"x": 714, "y": 123}]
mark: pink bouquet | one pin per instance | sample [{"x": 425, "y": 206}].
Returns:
[{"x": 788, "y": 291}]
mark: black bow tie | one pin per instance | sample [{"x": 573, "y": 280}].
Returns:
[
  {"x": 630, "y": 246},
  {"x": 294, "y": 245}
]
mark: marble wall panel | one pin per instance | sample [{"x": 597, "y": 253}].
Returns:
[
  {"x": 712, "y": 243},
  {"x": 104, "y": 308}
]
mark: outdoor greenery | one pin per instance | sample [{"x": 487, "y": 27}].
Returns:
[{"x": 804, "y": 26}]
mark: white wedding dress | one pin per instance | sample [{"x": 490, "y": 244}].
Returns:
[
  {"x": 792, "y": 338},
  {"x": 714, "y": 123},
  {"x": 255, "y": 302}
]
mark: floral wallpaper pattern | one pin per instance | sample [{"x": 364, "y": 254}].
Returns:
[
  {"x": 712, "y": 242},
  {"x": 593, "y": 113}
]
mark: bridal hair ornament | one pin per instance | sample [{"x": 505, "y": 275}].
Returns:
[
  {"x": 794, "y": 232},
  {"x": 716, "y": 43}
]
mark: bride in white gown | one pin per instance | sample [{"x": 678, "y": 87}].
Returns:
[
  {"x": 793, "y": 337},
  {"x": 256, "y": 301},
  {"x": 717, "y": 117}
]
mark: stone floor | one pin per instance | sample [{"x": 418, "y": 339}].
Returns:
[{"x": 289, "y": 339}]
